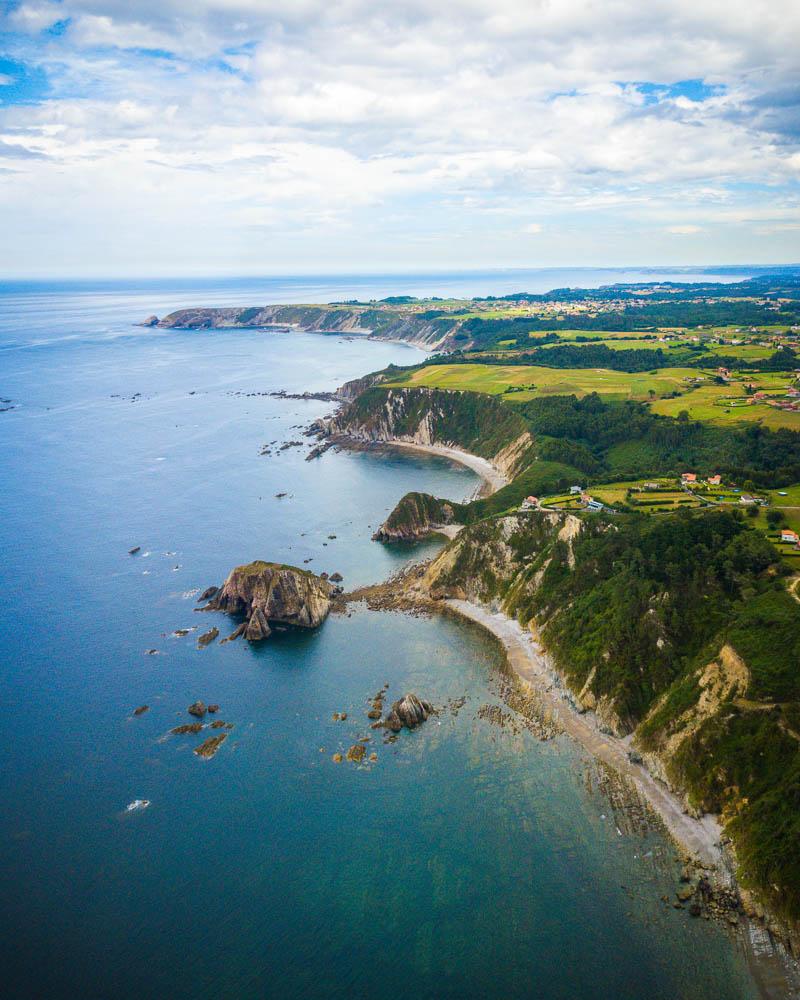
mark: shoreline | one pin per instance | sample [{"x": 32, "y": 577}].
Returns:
[
  {"x": 493, "y": 479},
  {"x": 529, "y": 662},
  {"x": 775, "y": 972}
]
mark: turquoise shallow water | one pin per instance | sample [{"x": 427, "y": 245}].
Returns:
[{"x": 469, "y": 862}]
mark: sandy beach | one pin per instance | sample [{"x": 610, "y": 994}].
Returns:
[{"x": 493, "y": 479}]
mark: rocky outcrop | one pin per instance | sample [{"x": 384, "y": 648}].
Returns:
[
  {"x": 409, "y": 711},
  {"x": 414, "y": 517},
  {"x": 269, "y": 595}
]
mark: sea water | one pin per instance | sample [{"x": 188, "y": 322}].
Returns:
[{"x": 472, "y": 860}]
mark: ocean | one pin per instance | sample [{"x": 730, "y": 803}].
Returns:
[{"x": 471, "y": 861}]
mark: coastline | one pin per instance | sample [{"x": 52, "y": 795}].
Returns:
[
  {"x": 493, "y": 479},
  {"x": 530, "y": 663}
]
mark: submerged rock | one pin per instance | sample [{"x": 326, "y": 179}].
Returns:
[
  {"x": 270, "y": 595},
  {"x": 207, "y": 637},
  {"x": 209, "y": 747},
  {"x": 213, "y": 708},
  {"x": 356, "y": 753},
  {"x": 134, "y": 550},
  {"x": 189, "y": 727},
  {"x": 239, "y": 630},
  {"x": 141, "y": 710}
]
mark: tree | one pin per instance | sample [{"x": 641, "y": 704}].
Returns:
[{"x": 775, "y": 517}]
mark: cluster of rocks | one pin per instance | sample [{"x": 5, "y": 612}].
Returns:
[
  {"x": 409, "y": 711},
  {"x": 703, "y": 898},
  {"x": 210, "y": 746},
  {"x": 326, "y": 397}
]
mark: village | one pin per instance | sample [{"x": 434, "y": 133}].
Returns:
[{"x": 776, "y": 512}]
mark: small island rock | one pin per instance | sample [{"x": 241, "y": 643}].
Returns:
[{"x": 270, "y": 594}]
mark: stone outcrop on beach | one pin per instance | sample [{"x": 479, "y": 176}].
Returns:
[{"x": 269, "y": 595}]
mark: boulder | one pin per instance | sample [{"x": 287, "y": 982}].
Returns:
[
  {"x": 197, "y": 709},
  {"x": 141, "y": 710},
  {"x": 150, "y": 321},
  {"x": 213, "y": 708},
  {"x": 410, "y": 711},
  {"x": 356, "y": 753},
  {"x": 336, "y": 577}
]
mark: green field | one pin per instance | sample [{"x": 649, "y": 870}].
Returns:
[
  {"x": 537, "y": 381},
  {"x": 726, "y": 404}
]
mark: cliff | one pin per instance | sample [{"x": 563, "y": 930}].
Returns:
[
  {"x": 382, "y": 323},
  {"x": 469, "y": 421},
  {"x": 269, "y": 595}
]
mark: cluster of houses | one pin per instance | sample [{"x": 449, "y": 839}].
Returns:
[
  {"x": 690, "y": 479},
  {"x": 587, "y": 501}
]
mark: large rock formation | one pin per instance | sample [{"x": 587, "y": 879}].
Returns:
[
  {"x": 269, "y": 594},
  {"x": 415, "y": 516}
]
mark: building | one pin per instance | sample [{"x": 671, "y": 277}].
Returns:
[
  {"x": 748, "y": 501},
  {"x": 592, "y": 504},
  {"x": 789, "y": 536},
  {"x": 575, "y": 489},
  {"x": 688, "y": 477},
  {"x": 529, "y": 502},
  {"x": 714, "y": 480}
]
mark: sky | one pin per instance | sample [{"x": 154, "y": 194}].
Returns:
[{"x": 176, "y": 137}]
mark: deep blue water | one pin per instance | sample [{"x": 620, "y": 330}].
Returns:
[{"x": 468, "y": 862}]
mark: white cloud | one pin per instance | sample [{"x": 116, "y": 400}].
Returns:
[
  {"x": 409, "y": 121},
  {"x": 6, "y": 80}
]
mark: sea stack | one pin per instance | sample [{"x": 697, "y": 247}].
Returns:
[{"x": 270, "y": 594}]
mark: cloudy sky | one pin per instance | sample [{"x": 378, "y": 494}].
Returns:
[{"x": 252, "y": 136}]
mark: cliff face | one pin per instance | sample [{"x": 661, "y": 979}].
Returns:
[
  {"x": 270, "y": 594},
  {"x": 470, "y": 421},
  {"x": 384, "y": 324}
]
